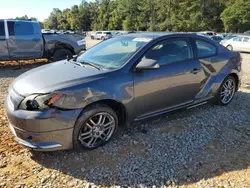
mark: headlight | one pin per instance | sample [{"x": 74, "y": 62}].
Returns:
[{"x": 40, "y": 102}]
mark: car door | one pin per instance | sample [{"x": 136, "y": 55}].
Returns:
[
  {"x": 246, "y": 44},
  {"x": 4, "y": 53},
  {"x": 25, "y": 40},
  {"x": 237, "y": 43},
  {"x": 175, "y": 83}
]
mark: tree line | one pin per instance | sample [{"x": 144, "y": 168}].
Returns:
[{"x": 154, "y": 15}]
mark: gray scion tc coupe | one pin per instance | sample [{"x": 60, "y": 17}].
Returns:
[{"x": 80, "y": 103}]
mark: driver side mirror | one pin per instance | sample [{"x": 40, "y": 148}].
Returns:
[{"x": 147, "y": 64}]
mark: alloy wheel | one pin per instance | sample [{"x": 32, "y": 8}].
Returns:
[
  {"x": 97, "y": 129},
  {"x": 227, "y": 91}
]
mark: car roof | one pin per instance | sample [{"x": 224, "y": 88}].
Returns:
[
  {"x": 241, "y": 36},
  {"x": 19, "y": 20}
]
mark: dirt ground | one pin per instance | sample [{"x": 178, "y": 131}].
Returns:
[{"x": 215, "y": 164}]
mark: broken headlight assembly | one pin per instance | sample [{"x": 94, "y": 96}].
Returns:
[{"x": 41, "y": 102}]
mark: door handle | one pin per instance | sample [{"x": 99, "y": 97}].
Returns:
[{"x": 195, "y": 71}]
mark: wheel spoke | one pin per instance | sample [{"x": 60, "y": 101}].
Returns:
[
  {"x": 222, "y": 94},
  {"x": 92, "y": 122},
  {"x": 228, "y": 83},
  {"x": 107, "y": 124},
  {"x": 103, "y": 136},
  {"x": 92, "y": 141},
  {"x": 231, "y": 88},
  {"x": 89, "y": 126},
  {"x": 85, "y": 135},
  {"x": 108, "y": 127},
  {"x": 103, "y": 120},
  {"x": 224, "y": 99}
]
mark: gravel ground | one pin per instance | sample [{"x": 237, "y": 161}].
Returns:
[{"x": 208, "y": 146}]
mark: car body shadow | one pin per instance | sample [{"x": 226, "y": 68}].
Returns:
[{"x": 182, "y": 147}]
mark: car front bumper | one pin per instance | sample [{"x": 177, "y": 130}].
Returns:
[{"x": 47, "y": 130}]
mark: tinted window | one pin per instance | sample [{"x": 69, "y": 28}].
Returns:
[
  {"x": 238, "y": 39},
  {"x": 246, "y": 39},
  {"x": 2, "y": 31},
  {"x": 205, "y": 49},
  {"x": 171, "y": 51},
  {"x": 99, "y": 33},
  {"x": 20, "y": 28}
]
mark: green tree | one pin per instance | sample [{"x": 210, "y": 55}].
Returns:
[
  {"x": 236, "y": 17},
  {"x": 52, "y": 22},
  {"x": 26, "y": 18}
]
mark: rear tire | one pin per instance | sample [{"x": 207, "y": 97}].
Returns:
[
  {"x": 226, "y": 91},
  {"x": 102, "y": 38},
  {"x": 61, "y": 54},
  {"x": 97, "y": 122},
  {"x": 230, "y": 47}
]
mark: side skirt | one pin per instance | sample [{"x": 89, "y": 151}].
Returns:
[{"x": 187, "y": 105}]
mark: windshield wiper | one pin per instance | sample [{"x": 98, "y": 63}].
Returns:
[
  {"x": 90, "y": 64},
  {"x": 77, "y": 63},
  {"x": 81, "y": 63}
]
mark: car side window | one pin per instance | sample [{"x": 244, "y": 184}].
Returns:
[
  {"x": 2, "y": 31},
  {"x": 170, "y": 51},
  {"x": 246, "y": 39},
  {"x": 237, "y": 39},
  {"x": 20, "y": 28},
  {"x": 205, "y": 49}
]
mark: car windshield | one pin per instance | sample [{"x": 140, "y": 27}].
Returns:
[{"x": 113, "y": 53}]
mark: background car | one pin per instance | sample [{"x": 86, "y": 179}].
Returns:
[
  {"x": 228, "y": 37},
  {"x": 23, "y": 40},
  {"x": 209, "y": 33},
  {"x": 48, "y": 31},
  {"x": 239, "y": 43},
  {"x": 247, "y": 33},
  {"x": 216, "y": 38},
  {"x": 101, "y": 35}
]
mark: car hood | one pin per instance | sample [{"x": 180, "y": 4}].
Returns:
[{"x": 54, "y": 76}]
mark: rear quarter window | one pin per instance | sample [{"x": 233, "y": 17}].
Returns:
[
  {"x": 205, "y": 49},
  {"x": 237, "y": 39}
]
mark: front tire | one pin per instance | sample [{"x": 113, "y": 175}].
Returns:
[
  {"x": 95, "y": 127},
  {"x": 226, "y": 91},
  {"x": 61, "y": 54}
]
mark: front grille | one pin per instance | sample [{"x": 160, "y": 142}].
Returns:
[{"x": 14, "y": 99}]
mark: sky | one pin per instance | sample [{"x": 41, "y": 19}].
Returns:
[{"x": 39, "y": 9}]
